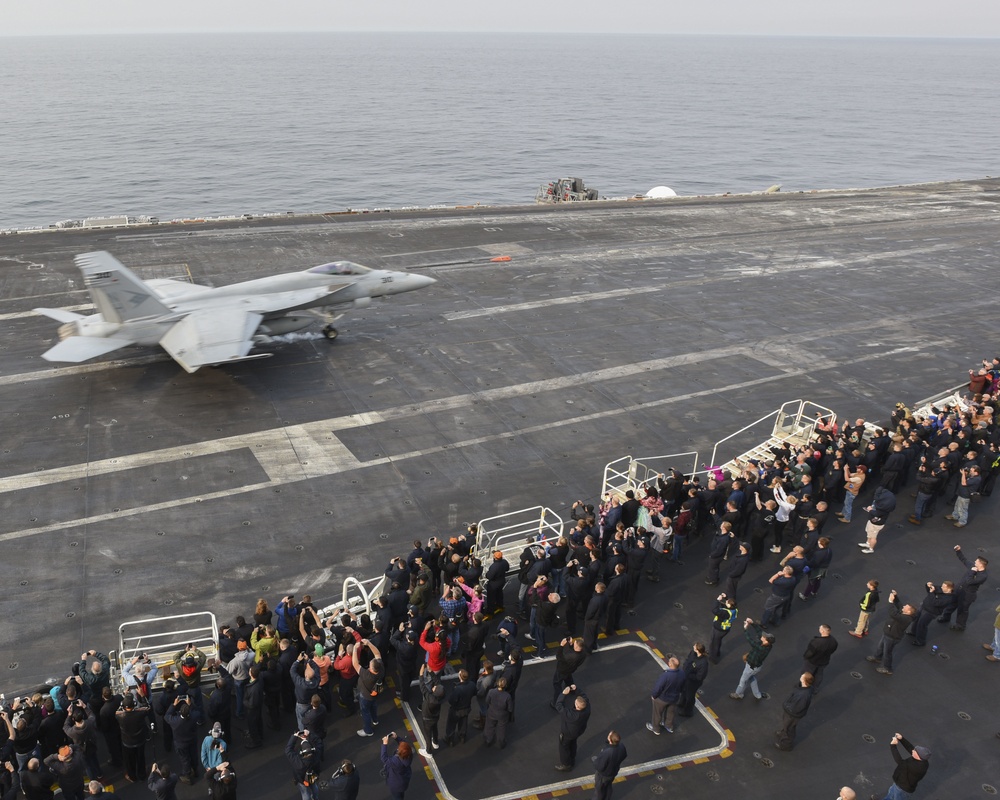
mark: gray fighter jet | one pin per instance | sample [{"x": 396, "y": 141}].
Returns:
[{"x": 202, "y": 325}]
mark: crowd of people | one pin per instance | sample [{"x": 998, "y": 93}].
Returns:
[{"x": 448, "y": 635}]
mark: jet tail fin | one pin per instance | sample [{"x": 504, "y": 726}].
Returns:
[
  {"x": 59, "y": 314},
  {"x": 82, "y": 348},
  {"x": 117, "y": 292}
]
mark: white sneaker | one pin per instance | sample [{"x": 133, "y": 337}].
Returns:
[
  {"x": 435, "y": 745},
  {"x": 362, "y": 733},
  {"x": 862, "y": 544},
  {"x": 775, "y": 549},
  {"x": 867, "y": 551}
]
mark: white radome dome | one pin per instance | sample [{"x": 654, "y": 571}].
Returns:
[{"x": 658, "y": 192}]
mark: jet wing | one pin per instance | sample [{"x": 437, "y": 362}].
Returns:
[
  {"x": 75, "y": 349},
  {"x": 211, "y": 336},
  {"x": 272, "y": 302}
]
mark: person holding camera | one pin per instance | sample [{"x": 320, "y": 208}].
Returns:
[
  {"x": 188, "y": 664},
  {"x": 345, "y": 781},
  {"x": 221, "y": 782},
  {"x": 301, "y": 754},
  {"x": 214, "y": 749},
  {"x": 181, "y": 720},
  {"x": 135, "y": 723},
  {"x": 162, "y": 782},
  {"x": 892, "y": 633},
  {"x": 969, "y": 482},
  {"x": 397, "y": 766},
  {"x": 370, "y": 682}
]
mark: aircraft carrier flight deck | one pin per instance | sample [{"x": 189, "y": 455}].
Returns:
[{"x": 131, "y": 489}]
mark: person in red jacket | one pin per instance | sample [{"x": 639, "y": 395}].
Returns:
[{"x": 436, "y": 646}]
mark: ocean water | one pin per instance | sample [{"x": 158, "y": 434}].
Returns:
[{"x": 187, "y": 125}]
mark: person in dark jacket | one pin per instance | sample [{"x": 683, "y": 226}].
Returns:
[
  {"x": 474, "y": 643},
  {"x": 432, "y": 694},
  {"x": 892, "y": 633},
  {"x": 607, "y": 763},
  {"x": 967, "y": 588},
  {"x": 68, "y": 768},
  {"x": 456, "y": 728},
  {"x": 253, "y": 702},
  {"x": 408, "y": 652},
  {"x": 569, "y": 657},
  {"x": 300, "y": 750},
  {"x": 222, "y": 783},
  {"x": 162, "y": 782},
  {"x": 36, "y": 781},
  {"x": 315, "y": 722},
  {"x": 761, "y": 644},
  {"x": 397, "y": 767},
  {"x": 909, "y": 771},
  {"x": 573, "y": 721},
  {"x": 161, "y": 703},
  {"x": 499, "y": 710},
  {"x": 665, "y": 696},
  {"x": 819, "y": 564},
  {"x": 345, "y": 782},
  {"x": 181, "y": 719},
  {"x": 134, "y": 723},
  {"x": 592, "y": 617},
  {"x": 939, "y": 601},
  {"x": 718, "y": 549},
  {"x": 724, "y": 615},
  {"x": 496, "y": 579},
  {"x": 793, "y": 710},
  {"x": 737, "y": 569},
  {"x": 817, "y": 655},
  {"x": 695, "y": 669}
]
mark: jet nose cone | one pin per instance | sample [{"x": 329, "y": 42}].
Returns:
[{"x": 420, "y": 281}]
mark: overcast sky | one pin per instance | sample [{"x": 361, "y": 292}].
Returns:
[{"x": 965, "y": 18}]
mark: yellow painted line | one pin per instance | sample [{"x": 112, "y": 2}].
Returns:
[
  {"x": 710, "y": 711},
  {"x": 642, "y": 636},
  {"x": 647, "y": 772},
  {"x": 730, "y": 735},
  {"x": 701, "y": 761},
  {"x": 674, "y": 766},
  {"x": 559, "y": 792},
  {"x": 726, "y": 753}
]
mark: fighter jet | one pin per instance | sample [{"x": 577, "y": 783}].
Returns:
[{"x": 203, "y": 325}]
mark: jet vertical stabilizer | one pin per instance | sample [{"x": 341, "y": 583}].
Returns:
[{"x": 116, "y": 291}]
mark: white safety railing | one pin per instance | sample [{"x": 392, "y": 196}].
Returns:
[
  {"x": 628, "y": 473},
  {"x": 515, "y": 528},
  {"x": 356, "y": 596},
  {"x": 794, "y": 422},
  {"x": 161, "y": 638}
]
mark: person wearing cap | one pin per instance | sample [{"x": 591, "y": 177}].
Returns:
[
  {"x": 909, "y": 771},
  {"x": 135, "y": 723},
  {"x": 68, "y": 767},
  {"x": 221, "y": 782},
  {"x": 301, "y": 754},
  {"x": 213, "y": 748},
  {"x": 188, "y": 664}
]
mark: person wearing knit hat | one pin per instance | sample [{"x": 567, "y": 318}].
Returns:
[{"x": 909, "y": 771}]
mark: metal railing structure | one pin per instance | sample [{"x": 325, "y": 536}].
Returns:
[
  {"x": 356, "y": 596},
  {"x": 161, "y": 638},
  {"x": 513, "y": 529},
  {"x": 794, "y": 423},
  {"x": 628, "y": 473}
]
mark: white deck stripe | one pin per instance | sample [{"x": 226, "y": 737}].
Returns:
[{"x": 285, "y": 440}]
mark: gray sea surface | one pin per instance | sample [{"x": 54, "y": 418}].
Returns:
[{"x": 202, "y": 125}]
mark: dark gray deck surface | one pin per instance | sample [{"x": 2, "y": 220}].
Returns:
[{"x": 640, "y": 328}]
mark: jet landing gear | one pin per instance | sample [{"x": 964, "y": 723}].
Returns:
[{"x": 330, "y": 332}]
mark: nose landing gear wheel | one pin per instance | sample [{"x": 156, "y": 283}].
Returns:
[{"x": 330, "y": 332}]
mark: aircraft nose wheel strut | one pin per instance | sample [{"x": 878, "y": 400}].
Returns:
[{"x": 330, "y": 332}]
